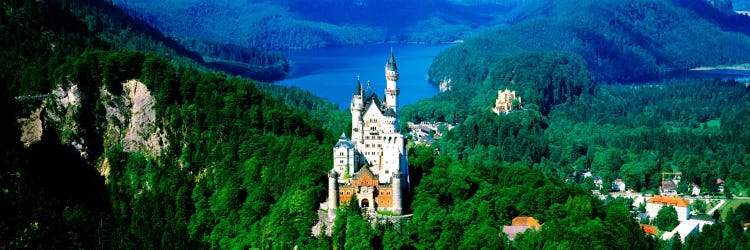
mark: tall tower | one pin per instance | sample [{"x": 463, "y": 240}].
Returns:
[
  {"x": 391, "y": 76},
  {"x": 332, "y": 194},
  {"x": 396, "y": 186},
  {"x": 357, "y": 107}
]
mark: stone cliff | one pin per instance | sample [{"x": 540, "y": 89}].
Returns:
[{"x": 129, "y": 120}]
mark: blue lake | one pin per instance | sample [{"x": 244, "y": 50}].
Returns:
[
  {"x": 722, "y": 74},
  {"x": 332, "y": 72}
]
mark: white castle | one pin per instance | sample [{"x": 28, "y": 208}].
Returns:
[{"x": 372, "y": 164}]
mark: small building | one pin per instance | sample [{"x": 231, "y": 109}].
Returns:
[
  {"x": 696, "y": 190},
  {"x": 504, "y": 102},
  {"x": 525, "y": 221},
  {"x": 655, "y": 204},
  {"x": 719, "y": 185},
  {"x": 598, "y": 182},
  {"x": 618, "y": 185},
  {"x": 520, "y": 225},
  {"x": 668, "y": 187},
  {"x": 685, "y": 229}
]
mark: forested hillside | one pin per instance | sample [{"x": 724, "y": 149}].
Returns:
[
  {"x": 621, "y": 41},
  {"x": 228, "y": 149},
  {"x": 315, "y": 24},
  {"x": 144, "y": 150}
]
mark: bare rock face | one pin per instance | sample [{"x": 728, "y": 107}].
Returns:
[
  {"x": 142, "y": 134},
  {"x": 31, "y": 127},
  {"x": 131, "y": 120},
  {"x": 61, "y": 110}
]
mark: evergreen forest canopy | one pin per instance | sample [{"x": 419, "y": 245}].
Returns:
[{"x": 246, "y": 161}]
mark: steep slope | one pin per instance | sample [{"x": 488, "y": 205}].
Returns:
[
  {"x": 620, "y": 40},
  {"x": 130, "y": 150}
]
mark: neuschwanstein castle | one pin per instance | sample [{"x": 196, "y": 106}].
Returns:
[{"x": 372, "y": 163}]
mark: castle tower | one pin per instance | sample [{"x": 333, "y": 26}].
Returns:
[
  {"x": 396, "y": 186},
  {"x": 357, "y": 107},
  {"x": 332, "y": 194},
  {"x": 391, "y": 76}
]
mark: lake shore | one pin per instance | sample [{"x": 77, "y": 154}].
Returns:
[{"x": 741, "y": 67}]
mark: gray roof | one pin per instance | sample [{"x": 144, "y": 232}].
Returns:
[
  {"x": 391, "y": 64},
  {"x": 358, "y": 90},
  {"x": 390, "y": 113},
  {"x": 373, "y": 99},
  {"x": 344, "y": 142}
]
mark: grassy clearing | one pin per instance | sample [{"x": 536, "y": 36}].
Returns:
[
  {"x": 386, "y": 213},
  {"x": 730, "y": 204}
]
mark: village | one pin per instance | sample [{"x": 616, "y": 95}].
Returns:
[{"x": 695, "y": 208}]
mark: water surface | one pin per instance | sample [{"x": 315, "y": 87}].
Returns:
[{"x": 332, "y": 72}]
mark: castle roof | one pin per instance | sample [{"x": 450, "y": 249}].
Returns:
[
  {"x": 344, "y": 141},
  {"x": 365, "y": 170},
  {"x": 358, "y": 90},
  {"x": 391, "y": 64},
  {"x": 674, "y": 201},
  {"x": 373, "y": 99},
  {"x": 390, "y": 112}
]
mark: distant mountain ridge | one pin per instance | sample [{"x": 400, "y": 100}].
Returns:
[
  {"x": 621, "y": 41},
  {"x": 294, "y": 24}
]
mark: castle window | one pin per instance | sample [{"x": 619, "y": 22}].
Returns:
[
  {"x": 389, "y": 193},
  {"x": 341, "y": 193},
  {"x": 348, "y": 193}
]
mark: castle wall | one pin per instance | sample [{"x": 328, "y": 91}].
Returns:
[
  {"x": 385, "y": 197},
  {"x": 345, "y": 194}
]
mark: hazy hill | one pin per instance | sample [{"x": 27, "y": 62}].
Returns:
[
  {"x": 311, "y": 24},
  {"x": 620, "y": 40}
]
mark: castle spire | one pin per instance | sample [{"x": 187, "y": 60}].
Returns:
[
  {"x": 391, "y": 77},
  {"x": 358, "y": 91},
  {"x": 391, "y": 65}
]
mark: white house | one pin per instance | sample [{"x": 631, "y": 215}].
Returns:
[{"x": 618, "y": 185}]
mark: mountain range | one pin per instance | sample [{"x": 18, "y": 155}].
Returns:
[
  {"x": 326, "y": 23},
  {"x": 621, "y": 41}
]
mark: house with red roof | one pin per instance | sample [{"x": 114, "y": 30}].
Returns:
[
  {"x": 654, "y": 204},
  {"x": 519, "y": 225}
]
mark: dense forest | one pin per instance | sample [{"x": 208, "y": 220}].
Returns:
[
  {"x": 242, "y": 163},
  {"x": 621, "y": 41}
]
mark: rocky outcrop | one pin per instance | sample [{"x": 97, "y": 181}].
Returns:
[
  {"x": 61, "y": 110},
  {"x": 31, "y": 127},
  {"x": 131, "y": 120}
]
